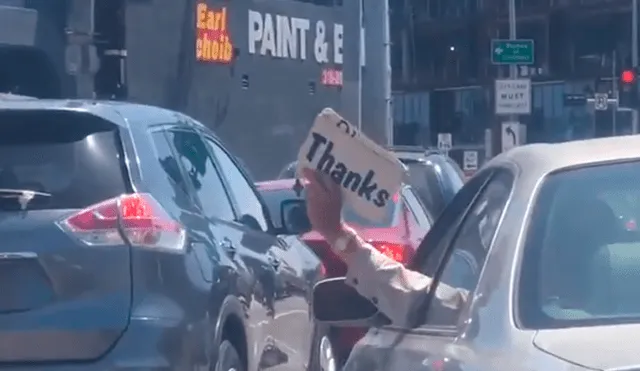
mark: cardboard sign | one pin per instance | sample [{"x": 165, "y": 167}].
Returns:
[{"x": 368, "y": 174}]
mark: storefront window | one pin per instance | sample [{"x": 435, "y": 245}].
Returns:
[{"x": 411, "y": 118}]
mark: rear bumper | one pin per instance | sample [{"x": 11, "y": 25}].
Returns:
[{"x": 147, "y": 345}]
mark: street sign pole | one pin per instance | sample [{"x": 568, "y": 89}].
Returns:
[
  {"x": 513, "y": 68},
  {"x": 634, "y": 55}
]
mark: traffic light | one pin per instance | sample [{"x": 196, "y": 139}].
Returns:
[{"x": 628, "y": 89}]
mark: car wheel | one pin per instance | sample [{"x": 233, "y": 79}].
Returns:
[
  {"x": 323, "y": 357},
  {"x": 228, "y": 358}
]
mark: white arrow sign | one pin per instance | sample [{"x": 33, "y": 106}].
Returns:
[{"x": 601, "y": 101}]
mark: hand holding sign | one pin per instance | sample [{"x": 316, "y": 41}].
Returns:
[
  {"x": 366, "y": 173},
  {"x": 324, "y": 203}
]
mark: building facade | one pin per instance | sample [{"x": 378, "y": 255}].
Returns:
[{"x": 443, "y": 76}]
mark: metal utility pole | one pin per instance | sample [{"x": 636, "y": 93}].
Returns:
[
  {"x": 81, "y": 58},
  {"x": 376, "y": 82},
  {"x": 352, "y": 70},
  {"x": 513, "y": 68},
  {"x": 634, "y": 33},
  {"x": 634, "y": 56},
  {"x": 614, "y": 89}
]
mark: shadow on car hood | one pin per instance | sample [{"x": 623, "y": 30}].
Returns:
[{"x": 596, "y": 347}]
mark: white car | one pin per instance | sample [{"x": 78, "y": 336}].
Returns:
[{"x": 553, "y": 273}]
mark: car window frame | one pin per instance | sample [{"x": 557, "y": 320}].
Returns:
[
  {"x": 163, "y": 129},
  {"x": 190, "y": 185},
  {"x": 451, "y": 250},
  {"x": 234, "y": 202}
]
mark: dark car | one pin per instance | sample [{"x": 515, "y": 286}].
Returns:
[
  {"x": 435, "y": 177},
  {"x": 132, "y": 239}
]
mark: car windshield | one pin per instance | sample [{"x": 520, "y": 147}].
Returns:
[
  {"x": 274, "y": 198},
  {"x": 582, "y": 263}
]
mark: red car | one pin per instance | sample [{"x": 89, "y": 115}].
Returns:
[{"x": 398, "y": 236}]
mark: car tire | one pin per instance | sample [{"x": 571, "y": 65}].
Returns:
[
  {"x": 323, "y": 357},
  {"x": 228, "y": 358}
]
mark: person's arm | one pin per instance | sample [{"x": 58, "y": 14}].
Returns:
[{"x": 388, "y": 284}]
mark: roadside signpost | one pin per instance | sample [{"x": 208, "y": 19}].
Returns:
[
  {"x": 445, "y": 142},
  {"x": 601, "y": 101},
  {"x": 512, "y": 51},
  {"x": 511, "y": 131},
  {"x": 513, "y": 97},
  {"x": 470, "y": 161},
  {"x": 575, "y": 100}
]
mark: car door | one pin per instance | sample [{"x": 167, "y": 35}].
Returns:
[
  {"x": 292, "y": 322},
  {"x": 455, "y": 255},
  {"x": 168, "y": 185},
  {"x": 253, "y": 275}
]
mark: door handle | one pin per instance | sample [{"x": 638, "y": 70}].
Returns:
[{"x": 228, "y": 246}]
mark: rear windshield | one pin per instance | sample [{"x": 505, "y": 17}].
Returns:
[
  {"x": 289, "y": 171},
  {"x": 274, "y": 198},
  {"x": 582, "y": 260},
  {"x": 69, "y": 159}
]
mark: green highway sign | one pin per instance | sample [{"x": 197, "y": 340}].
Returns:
[{"x": 512, "y": 52}]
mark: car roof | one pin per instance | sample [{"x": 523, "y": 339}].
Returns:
[
  {"x": 275, "y": 185},
  {"x": 543, "y": 158},
  {"x": 117, "y": 112}
]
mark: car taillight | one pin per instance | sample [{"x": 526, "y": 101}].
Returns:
[
  {"x": 395, "y": 251},
  {"x": 137, "y": 219}
]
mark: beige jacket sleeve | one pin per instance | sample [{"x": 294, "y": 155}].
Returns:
[{"x": 393, "y": 288}]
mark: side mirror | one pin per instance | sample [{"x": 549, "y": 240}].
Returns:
[
  {"x": 294, "y": 217},
  {"x": 338, "y": 304},
  {"x": 249, "y": 221}
]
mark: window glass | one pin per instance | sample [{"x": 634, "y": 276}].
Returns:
[
  {"x": 582, "y": 254},
  {"x": 461, "y": 270},
  {"x": 390, "y": 218},
  {"x": 274, "y": 197},
  {"x": 244, "y": 194},
  {"x": 71, "y": 161},
  {"x": 424, "y": 181},
  {"x": 289, "y": 171},
  {"x": 470, "y": 248},
  {"x": 417, "y": 209},
  {"x": 454, "y": 174},
  {"x": 410, "y": 213},
  {"x": 171, "y": 185},
  {"x": 199, "y": 166}
]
